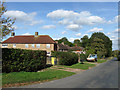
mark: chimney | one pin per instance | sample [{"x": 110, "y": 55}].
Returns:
[
  {"x": 13, "y": 34},
  {"x": 36, "y": 33},
  {"x": 75, "y": 45},
  {"x": 63, "y": 43},
  {"x": 56, "y": 42}
]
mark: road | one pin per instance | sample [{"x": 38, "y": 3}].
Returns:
[{"x": 104, "y": 75}]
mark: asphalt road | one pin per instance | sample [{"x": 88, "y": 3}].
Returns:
[{"x": 104, "y": 75}]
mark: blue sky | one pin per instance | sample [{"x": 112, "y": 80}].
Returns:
[{"x": 65, "y": 19}]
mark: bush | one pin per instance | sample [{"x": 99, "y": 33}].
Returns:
[
  {"x": 15, "y": 60},
  {"x": 83, "y": 57},
  {"x": 66, "y": 58}
]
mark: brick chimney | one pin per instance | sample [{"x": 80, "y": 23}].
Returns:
[
  {"x": 75, "y": 45},
  {"x": 63, "y": 43},
  {"x": 13, "y": 34},
  {"x": 36, "y": 34}
]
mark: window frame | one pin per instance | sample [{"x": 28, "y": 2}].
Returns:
[
  {"x": 5, "y": 45},
  {"x": 37, "y": 45},
  {"x": 26, "y": 45},
  {"x": 14, "y": 46},
  {"x": 48, "y": 46}
]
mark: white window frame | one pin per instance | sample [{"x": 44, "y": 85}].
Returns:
[
  {"x": 48, "y": 45},
  {"x": 33, "y": 45},
  {"x": 14, "y": 45},
  {"x": 26, "y": 46},
  {"x": 38, "y": 45},
  {"x": 5, "y": 45}
]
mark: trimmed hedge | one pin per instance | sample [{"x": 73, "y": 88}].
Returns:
[
  {"x": 66, "y": 58},
  {"x": 16, "y": 60}
]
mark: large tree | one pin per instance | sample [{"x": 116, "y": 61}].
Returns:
[
  {"x": 5, "y": 23},
  {"x": 85, "y": 41},
  {"x": 105, "y": 41},
  {"x": 65, "y": 40},
  {"x": 77, "y": 42}
]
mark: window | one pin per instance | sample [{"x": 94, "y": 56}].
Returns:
[
  {"x": 4, "y": 45},
  {"x": 26, "y": 45},
  {"x": 48, "y": 45},
  {"x": 33, "y": 46},
  {"x": 38, "y": 45},
  {"x": 14, "y": 45}
]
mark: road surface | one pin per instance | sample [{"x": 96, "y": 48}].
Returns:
[{"x": 104, "y": 75}]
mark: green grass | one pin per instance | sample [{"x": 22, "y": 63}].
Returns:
[
  {"x": 84, "y": 66},
  {"x": 101, "y": 61},
  {"x": 24, "y": 77}
]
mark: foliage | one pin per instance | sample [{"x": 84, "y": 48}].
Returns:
[
  {"x": 16, "y": 60},
  {"x": 101, "y": 61},
  {"x": 25, "y": 77},
  {"x": 65, "y": 40},
  {"x": 77, "y": 42},
  {"x": 104, "y": 41},
  {"x": 85, "y": 41},
  {"x": 115, "y": 53},
  {"x": 66, "y": 58},
  {"x": 83, "y": 57},
  {"x": 6, "y": 23}
]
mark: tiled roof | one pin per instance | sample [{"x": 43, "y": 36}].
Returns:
[
  {"x": 61, "y": 46},
  {"x": 31, "y": 39},
  {"x": 75, "y": 48}
]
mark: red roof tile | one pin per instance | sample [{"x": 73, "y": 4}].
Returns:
[{"x": 31, "y": 39}]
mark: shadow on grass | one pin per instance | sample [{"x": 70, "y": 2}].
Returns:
[{"x": 48, "y": 65}]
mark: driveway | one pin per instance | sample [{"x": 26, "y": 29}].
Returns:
[{"x": 104, "y": 75}]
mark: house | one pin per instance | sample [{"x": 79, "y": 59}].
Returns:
[
  {"x": 62, "y": 47},
  {"x": 77, "y": 49},
  {"x": 33, "y": 42}
]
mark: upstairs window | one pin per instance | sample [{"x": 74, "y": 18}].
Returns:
[
  {"x": 48, "y": 45},
  {"x": 26, "y": 45},
  {"x": 38, "y": 45},
  {"x": 14, "y": 45},
  {"x": 33, "y": 45},
  {"x": 4, "y": 45}
]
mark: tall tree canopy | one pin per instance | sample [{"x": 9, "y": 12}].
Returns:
[
  {"x": 65, "y": 40},
  {"x": 77, "y": 41},
  {"x": 106, "y": 42},
  {"x": 6, "y": 23},
  {"x": 85, "y": 41}
]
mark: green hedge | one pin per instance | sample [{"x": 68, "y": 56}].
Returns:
[
  {"x": 66, "y": 58},
  {"x": 15, "y": 60}
]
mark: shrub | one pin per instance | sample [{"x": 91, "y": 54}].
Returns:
[
  {"x": 83, "y": 57},
  {"x": 66, "y": 58},
  {"x": 15, "y": 60}
]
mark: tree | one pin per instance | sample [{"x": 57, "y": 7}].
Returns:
[
  {"x": 85, "y": 41},
  {"x": 98, "y": 46},
  {"x": 77, "y": 41},
  {"x": 65, "y": 40},
  {"x": 105, "y": 41},
  {"x": 6, "y": 23}
]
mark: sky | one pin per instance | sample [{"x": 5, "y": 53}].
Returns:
[{"x": 65, "y": 19}]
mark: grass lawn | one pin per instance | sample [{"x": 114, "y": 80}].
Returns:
[
  {"x": 24, "y": 77},
  {"x": 84, "y": 66},
  {"x": 101, "y": 61}
]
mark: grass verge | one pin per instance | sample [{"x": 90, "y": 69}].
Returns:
[
  {"x": 84, "y": 66},
  {"x": 101, "y": 61},
  {"x": 24, "y": 77}
]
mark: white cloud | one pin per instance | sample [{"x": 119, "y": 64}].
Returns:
[
  {"x": 74, "y": 27},
  {"x": 112, "y": 36},
  {"x": 108, "y": 33},
  {"x": 22, "y": 17},
  {"x": 95, "y": 29},
  {"x": 64, "y": 32},
  {"x": 116, "y": 31},
  {"x": 15, "y": 27},
  {"x": 27, "y": 33},
  {"x": 78, "y": 19},
  {"x": 72, "y": 39},
  {"x": 78, "y": 34},
  {"x": 48, "y": 27}
]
